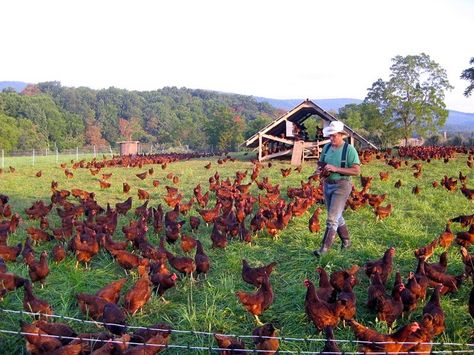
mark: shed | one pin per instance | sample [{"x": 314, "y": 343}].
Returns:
[
  {"x": 128, "y": 147},
  {"x": 286, "y": 136}
]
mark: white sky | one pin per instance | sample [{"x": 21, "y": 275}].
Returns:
[{"x": 277, "y": 49}]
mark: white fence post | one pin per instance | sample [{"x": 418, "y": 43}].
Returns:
[
  {"x": 77, "y": 153},
  {"x": 57, "y": 155},
  {"x": 111, "y": 154},
  {"x": 33, "y": 157},
  {"x": 95, "y": 153},
  {"x": 46, "y": 151},
  {"x": 3, "y": 159}
]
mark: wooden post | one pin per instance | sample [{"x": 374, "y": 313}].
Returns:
[
  {"x": 33, "y": 160},
  {"x": 259, "y": 146},
  {"x": 3, "y": 159},
  {"x": 351, "y": 140}
]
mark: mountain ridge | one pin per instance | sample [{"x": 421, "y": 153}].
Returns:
[{"x": 456, "y": 121}]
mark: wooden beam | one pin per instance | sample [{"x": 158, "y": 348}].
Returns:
[
  {"x": 259, "y": 146},
  {"x": 277, "y": 154},
  {"x": 278, "y": 139}
]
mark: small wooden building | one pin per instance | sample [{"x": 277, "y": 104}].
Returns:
[
  {"x": 286, "y": 136},
  {"x": 128, "y": 147}
]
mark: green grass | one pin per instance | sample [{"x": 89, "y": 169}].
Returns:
[{"x": 210, "y": 305}]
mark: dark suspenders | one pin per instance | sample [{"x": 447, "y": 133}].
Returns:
[{"x": 344, "y": 153}]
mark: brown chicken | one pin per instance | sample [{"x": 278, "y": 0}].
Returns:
[
  {"x": 319, "y": 312},
  {"x": 59, "y": 253},
  {"x": 56, "y": 328},
  {"x": 201, "y": 260},
  {"x": 125, "y": 187},
  {"x": 338, "y": 277},
  {"x": 468, "y": 261},
  {"x": 124, "y": 207},
  {"x": 440, "y": 266},
  {"x": 182, "y": 264},
  {"x": 143, "y": 194},
  {"x": 313, "y": 224},
  {"x": 188, "y": 243},
  {"x": 232, "y": 345},
  {"x": 142, "y": 176},
  {"x": 162, "y": 278},
  {"x": 255, "y": 276},
  {"x": 447, "y": 237},
  {"x": 91, "y": 305},
  {"x": 39, "y": 235},
  {"x": 325, "y": 291},
  {"x": 382, "y": 212},
  {"x": 138, "y": 295},
  {"x": 36, "y": 340},
  {"x": 411, "y": 294},
  {"x": 10, "y": 281},
  {"x": 257, "y": 302},
  {"x": 383, "y": 265},
  {"x": 152, "y": 346},
  {"x": 380, "y": 343},
  {"x": 390, "y": 308},
  {"x": 427, "y": 250},
  {"x": 465, "y": 238},
  {"x": 38, "y": 271},
  {"x": 450, "y": 283},
  {"x": 111, "y": 292},
  {"x": 209, "y": 216},
  {"x": 129, "y": 261},
  {"x": 375, "y": 290},
  {"x": 418, "y": 342},
  {"x": 347, "y": 299},
  {"x": 261, "y": 340},
  {"x": 31, "y": 303},
  {"x": 142, "y": 335},
  {"x": 115, "y": 317},
  {"x": 85, "y": 246},
  {"x": 433, "y": 307}
]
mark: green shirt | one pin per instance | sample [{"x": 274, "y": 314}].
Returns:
[{"x": 334, "y": 157}]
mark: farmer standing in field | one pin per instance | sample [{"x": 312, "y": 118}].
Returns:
[{"x": 338, "y": 162}]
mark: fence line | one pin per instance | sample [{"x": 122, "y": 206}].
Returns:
[
  {"x": 210, "y": 348},
  {"x": 193, "y": 332}
]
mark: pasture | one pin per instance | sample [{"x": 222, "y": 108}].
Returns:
[{"x": 209, "y": 304}]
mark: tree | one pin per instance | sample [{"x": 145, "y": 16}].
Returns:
[
  {"x": 367, "y": 120},
  {"x": 468, "y": 74},
  {"x": 9, "y": 133},
  {"x": 413, "y": 98}
]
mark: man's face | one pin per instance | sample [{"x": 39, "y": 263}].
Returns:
[{"x": 336, "y": 138}]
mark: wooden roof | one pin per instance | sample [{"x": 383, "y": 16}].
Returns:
[{"x": 298, "y": 115}]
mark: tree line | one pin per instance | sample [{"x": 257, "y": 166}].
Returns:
[{"x": 48, "y": 114}]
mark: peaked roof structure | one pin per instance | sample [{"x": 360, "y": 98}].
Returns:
[{"x": 298, "y": 115}]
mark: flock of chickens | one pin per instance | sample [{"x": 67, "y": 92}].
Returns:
[{"x": 87, "y": 228}]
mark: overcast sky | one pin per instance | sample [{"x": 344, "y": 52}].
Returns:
[{"x": 277, "y": 49}]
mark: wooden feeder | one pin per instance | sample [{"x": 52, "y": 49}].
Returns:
[{"x": 128, "y": 147}]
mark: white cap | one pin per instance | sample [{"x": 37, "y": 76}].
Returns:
[{"x": 334, "y": 127}]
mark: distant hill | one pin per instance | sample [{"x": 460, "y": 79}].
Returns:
[
  {"x": 326, "y": 104},
  {"x": 457, "y": 121},
  {"x": 17, "y": 85}
]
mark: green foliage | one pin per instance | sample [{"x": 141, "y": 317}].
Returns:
[
  {"x": 9, "y": 133},
  {"x": 368, "y": 121},
  {"x": 413, "y": 99},
  {"x": 468, "y": 74}
]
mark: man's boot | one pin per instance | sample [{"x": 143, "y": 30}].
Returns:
[
  {"x": 344, "y": 235},
  {"x": 328, "y": 238}
]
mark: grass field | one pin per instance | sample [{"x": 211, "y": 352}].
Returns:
[{"x": 211, "y": 305}]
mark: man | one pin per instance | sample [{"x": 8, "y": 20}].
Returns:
[{"x": 340, "y": 161}]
